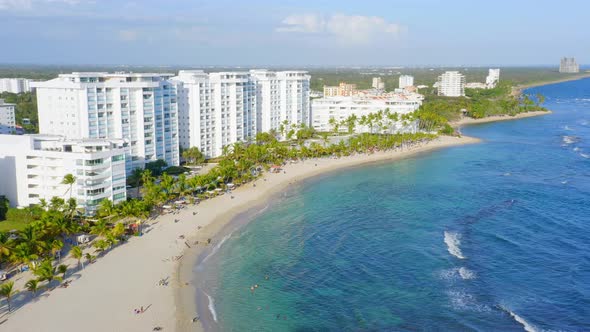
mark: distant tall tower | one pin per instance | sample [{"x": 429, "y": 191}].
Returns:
[{"x": 569, "y": 65}]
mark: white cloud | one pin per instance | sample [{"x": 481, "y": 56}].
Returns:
[
  {"x": 128, "y": 35},
  {"x": 15, "y": 4},
  {"x": 353, "y": 29},
  {"x": 309, "y": 23},
  {"x": 28, "y": 4}
]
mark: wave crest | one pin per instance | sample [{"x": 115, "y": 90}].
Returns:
[{"x": 453, "y": 242}]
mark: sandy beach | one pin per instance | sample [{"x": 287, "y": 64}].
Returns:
[
  {"x": 470, "y": 121},
  {"x": 103, "y": 296}
]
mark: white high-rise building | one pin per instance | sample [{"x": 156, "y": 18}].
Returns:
[
  {"x": 493, "y": 78},
  {"x": 141, "y": 108},
  {"x": 569, "y": 65},
  {"x": 405, "y": 81},
  {"x": 451, "y": 84},
  {"x": 33, "y": 168},
  {"x": 219, "y": 109},
  {"x": 281, "y": 97},
  {"x": 15, "y": 85},
  {"x": 216, "y": 109},
  {"x": 7, "y": 118}
]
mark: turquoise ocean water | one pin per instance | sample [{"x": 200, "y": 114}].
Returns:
[{"x": 486, "y": 237}]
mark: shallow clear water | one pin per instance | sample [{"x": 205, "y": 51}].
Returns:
[{"x": 486, "y": 237}]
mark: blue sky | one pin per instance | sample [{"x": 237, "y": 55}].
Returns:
[{"x": 294, "y": 33}]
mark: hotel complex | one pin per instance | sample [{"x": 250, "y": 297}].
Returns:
[
  {"x": 451, "y": 84},
  {"x": 7, "y": 118},
  {"x": 141, "y": 108},
  {"x": 33, "y": 168},
  {"x": 218, "y": 109},
  {"x": 493, "y": 78},
  {"x": 340, "y": 108}
]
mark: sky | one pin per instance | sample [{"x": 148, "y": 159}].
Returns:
[{"x": 294, "y": 33}]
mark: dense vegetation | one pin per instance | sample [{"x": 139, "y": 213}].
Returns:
[
  {"x": 478, "y": 103},
  {"x": 26, "y": 107}
]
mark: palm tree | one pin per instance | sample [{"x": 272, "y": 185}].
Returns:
[
  {"x": 5, "y": 245},
  {"x": 77, "y": 253},
  {"x": 69, "y": 180},
  {"x": 62, "y": 269},
  {"x": 100, "y": 228},
  {"x": 46, "y": 272},
  {"x": 7, "y": 290},
  {"x": 56, "y": 247},
  {"x": 23, "y": 254},
  {"x": 32, "y": 286}
]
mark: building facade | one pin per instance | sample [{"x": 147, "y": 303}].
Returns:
[
  {"x": 342, "y": 90},
  {"x": 406, "y": 81},
  {"x": 341, "y": 108},
  {"x": 493, "y": 78},
  {"x": 141, "y": 108},
  {"x": 569, "y": 65},
  {"x": 451, "y": 84},
  {"x": 15, "y": 85},
  {"x": 7, "y": 118},
  {"x": 378, "y": 83},
  {"x": 218, "y": 109},
  {"x": 35, "y": 165}
]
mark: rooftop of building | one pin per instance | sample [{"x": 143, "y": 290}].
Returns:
[{"x": 2, "y": 103}]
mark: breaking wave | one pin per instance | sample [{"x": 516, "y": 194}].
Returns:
[
  {"x": 453, "y": 242},
  {"x": 527, "y": 326}
]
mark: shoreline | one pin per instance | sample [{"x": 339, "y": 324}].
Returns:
[
  {"x": 103, "y": 296},
  {"x": 517, "y": 90},
  {"x": 188, "y": 306},
  {"x": 497, "y": 118}
]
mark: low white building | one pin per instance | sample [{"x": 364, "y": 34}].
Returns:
[
  {"x": 15, "y": 85},
  {"x": 405, "y": 81},
  {"x": 451, "y": 84},
  {"x": 493, "y": 78},
  {"x": 7, "y": 118},
  {"x": 341, "y": 108},
  {"x": 33, "y": 168}
]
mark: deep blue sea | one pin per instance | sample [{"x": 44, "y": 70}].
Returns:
[{"x": 487, "y": 237}]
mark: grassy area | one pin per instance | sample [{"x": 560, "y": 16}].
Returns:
[{"x": 8, "y": 225}]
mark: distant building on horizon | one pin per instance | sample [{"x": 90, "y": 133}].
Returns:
[
  {"x": 15, "y": 85},
  {"x": 406, "y": 81},
  {"x": 451, "y": 84},
  {"x": 342, "y": 90},
  {"x": 493, "y": 78},
  {"x": 7, "y": 118},
  {"x": 378, "y": 83},
  {"x": 569, "y": 65}
]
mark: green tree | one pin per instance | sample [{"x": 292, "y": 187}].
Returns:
[
  {"x": 4, "y": 206},
  {"x": 62, "y": 269},
  {"x": 69, "y": 180},
  {"x": 7, "y": 291},
  {"x": 193, "y": 156},
  {"x": 76, "y": 253},
  {"x": 45, "y": 271},
  {"x": 32, "y": 286}
]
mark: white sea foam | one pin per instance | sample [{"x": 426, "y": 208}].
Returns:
[
  {"x": 466, "y": 274},
  {"x": 585, "y": 155},
  {"x": 576, "y": 149},
  {"x": 527, "y": 326},
  {"x": 570, "y": 139},
  {"x": 566, "y": 127},
  {"x": 216, "y": 248},
  {"x": 463, "y": 301},
  {"x": 453, "y": 241},
  {"x": 211, "y": 307}
]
